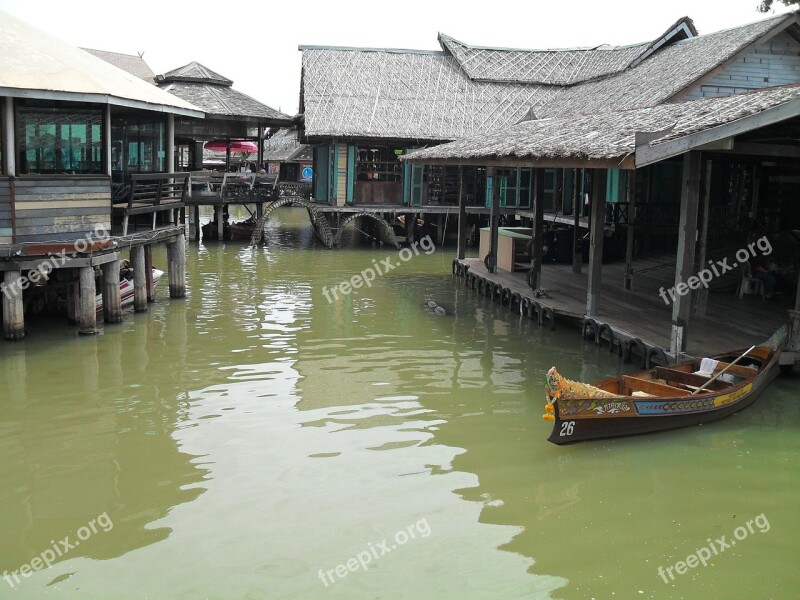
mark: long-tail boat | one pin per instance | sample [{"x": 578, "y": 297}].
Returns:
[{"x": 679, "y": 395}]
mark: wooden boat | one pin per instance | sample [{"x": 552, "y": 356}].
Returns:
[
  {"x": 662, "y": 398},
  {"x": 242, "y": 230},
  {"x": 126, "y": 291}
]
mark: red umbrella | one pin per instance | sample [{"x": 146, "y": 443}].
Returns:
[{"x": 236, "y": 146}]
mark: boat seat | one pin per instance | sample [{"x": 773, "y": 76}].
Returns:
[{"x": 635, "y": 384}]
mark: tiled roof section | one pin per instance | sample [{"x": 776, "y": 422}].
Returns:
[
  {"x": 223, "y": 100},
  {"x": 545, "y": 67},
  {"x": 194, "y": 71},
  {"x": 608, "y": 136},
  {"x": 424, "y": 96},
  {"x": 133, "y": 64}
]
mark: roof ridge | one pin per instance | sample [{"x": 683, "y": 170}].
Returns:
[{"x": 602, "y": 47}]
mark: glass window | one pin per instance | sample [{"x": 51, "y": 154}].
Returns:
[
  {"x": 137, "y": 145},
  {"x": 55, "y": 140}
]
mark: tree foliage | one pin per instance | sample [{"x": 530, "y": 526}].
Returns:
[{"x": 766, "y": 5}]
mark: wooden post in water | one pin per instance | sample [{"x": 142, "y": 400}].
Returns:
[
  {"x": 461, "y": 250},
  {"x": 13, "y": 311},
  {"x": 87, "y": 319},
  {"x": 577, "y": 204},
  {"x": 139, "y": 279},
  {"x": 597, "y": 231},
  {"x": 700, "y": 303},
  {"x": 220, "y": 218},
  {"x": 630, "y": 193},
  {"x": 176, "y": 266},
  {"x": 494, "y": 220},
  {"x": 112, "y": 306},
  {"x": 148, "y": 273},
  {"x": 687, "y": 232},
  {"x": 535, "y": 277}
]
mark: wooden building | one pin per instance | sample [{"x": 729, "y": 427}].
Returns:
[{"x": 64, "y": 113}]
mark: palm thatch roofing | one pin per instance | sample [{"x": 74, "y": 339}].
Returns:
[
  {"x": 467, "y": 90},
  {"x": 132, "y": 63},
  {"x": 285, "y": 146},
  {"x": 611, "y": 137},
  {"x": 214, "y": 94},
  {"x": 35, "y": 64}
]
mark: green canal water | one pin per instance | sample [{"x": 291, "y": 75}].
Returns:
[{"x": 256, "y": 441}]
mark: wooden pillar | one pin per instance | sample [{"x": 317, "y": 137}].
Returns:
[
  {"x": 577, "y": 204},
  {"x": 700, "y": 304},
  {"x": 260, "y": 155},
  {"x": 139, "y": 279},
  {"x": 596, "y": 233},
  {"x": 9, "y": 157},
  {"x": 112, "y": 306},
  {"x": 169, "y": 150},
  {"x": 411, "y": 223},
  {"x": 687, "y": 233},
  {"x": 148, "y": 273},
  {"x": 87, "y": 319},
  {"x": 461, "y": 248},
  {"x": 494, "y": 219},
  {"x": 197, "y": 156},
  {"x": 630, "y": 193},
  {"x": 176, "y": 267},
  {"x": 535, "y": 277},
  {"x": 107, "y": 140},
  {"x": 195, "y": 210},
  {"x": 13, "y": 311}
]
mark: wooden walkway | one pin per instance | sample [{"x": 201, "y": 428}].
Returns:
[{"x": 730, "y": 322}]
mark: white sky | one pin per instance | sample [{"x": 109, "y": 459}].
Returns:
[{"x": 255, "y": 43}]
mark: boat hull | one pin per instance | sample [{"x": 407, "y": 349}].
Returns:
[{"x": 574, "y": 421}]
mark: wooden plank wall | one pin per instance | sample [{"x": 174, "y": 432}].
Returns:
[
  {"x": 60, "y": 207},
  {"x": 6, "y": 236},
  {"x": 775, "y": 62}
]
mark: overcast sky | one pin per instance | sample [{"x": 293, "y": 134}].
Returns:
[{"x": 255, "y": 43}]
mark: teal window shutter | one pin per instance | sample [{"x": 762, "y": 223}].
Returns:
[
  {"x": 351, "y": 174},
  {"x": 489, "y": 185},
  {"x": 335, "y": 173},
  {"x": 612, "y": 186},
  {"x": 503, "y": 190},
  {"x": 416, "y": 184},
  {"x": 321, "y": 166},
  {"x": 406, "y": 183}
]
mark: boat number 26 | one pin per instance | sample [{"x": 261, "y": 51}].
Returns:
[{"x": 566, "y": 428}]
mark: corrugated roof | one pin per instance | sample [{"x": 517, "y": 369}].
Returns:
[
  {"x": 36, "y": 64},
  {"x": 610, "y": 135},
  {"x": 431, "y": 96},
  {"x": 213, "y": 93},
  {"x": 133, "y": 64}
]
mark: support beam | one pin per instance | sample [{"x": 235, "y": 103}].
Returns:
[
  {"x": 169, "y": 151},
  {"x": 260, "y": 155},
  {"x": 73, "y": 302},
  {"x": 148, "y": 273},
  {"x": 461, "y": 248},
  {"x": 176, "y": 267},
  {"x": 700, "y": 304},
  {"x": 87, "y": 320},
  {"x": 219, "y": 216},
  {"x": 597, "y": 231},
  {"x": 139, "y": 279},
  {"x": 494, "y": 219},
  {"x": 577, "y": 204},
  {"x": 107, "y": 140},
  {"x": 9, "y": 158},
  {"x": 112, "y": 303},
  {"x": 13, "y": 311},
  {"x": 630, "y": 194},
  {"x": 535, "y": 276},
  {"x": 687, "y": 235}
]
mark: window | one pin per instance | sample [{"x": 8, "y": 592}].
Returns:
[
  {"x": 378, "y": 163},
  {"x": 54, "y": 140},
  {"x": 137, "y": 145}
]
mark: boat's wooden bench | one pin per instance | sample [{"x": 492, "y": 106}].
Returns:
[
  {"x": 737, "y": 370},
  {"x": 635, "y": 384},
  {"x": 150, "y": 193},
  {"x": 692, "y": 381}
]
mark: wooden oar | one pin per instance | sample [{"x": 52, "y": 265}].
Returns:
[{"x": 718, "y": 375}]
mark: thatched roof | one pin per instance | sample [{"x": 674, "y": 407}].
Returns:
[
  {"x": 467, "y": 90},
  {"x": 611, "y": 136},
  {"x": 133, "y": 64},
  {"x": 213, "y": 93},
  {"x": 35, "y": 64},
  {"x": 285, "y": 146}
]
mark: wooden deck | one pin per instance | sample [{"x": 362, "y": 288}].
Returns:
[{"x": 730, "y": 322}]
